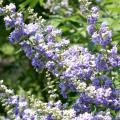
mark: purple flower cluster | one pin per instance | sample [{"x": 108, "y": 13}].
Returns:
[
  {"x": 102, "y": 81},
  {"x": 77, "y": 68},
  {"x": 64, "y": 88},
  {"x": 20, "y": 108},
  {"x": 46, "y": 40},
  {"x": 103, "y": 36},
  {"x": 113, "y": 57},
  {"x": 102, "y": 97},
  {"x": 92, "y": 20},
  {"x": 83, "y": 104}
]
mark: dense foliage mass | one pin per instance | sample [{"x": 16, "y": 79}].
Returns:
[{"x": 75, "y": 58}]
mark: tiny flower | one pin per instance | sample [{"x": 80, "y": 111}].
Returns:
[
  {"x": 96, "y": 38},
  {"x": 90, "y": 29},
  {"x": 11, "y": 7},
  {"x": 92, "y": 19},
  {"x": 94, "y": 10},
  {"x": 8, "y": 22},
  {"x": 16, "y": 36},
  {"x": 38, "y": 37},
  {"x": 49, "y": 28},
  {"x": 30, "y": 29},
  {"x": 1, "y": 10}
]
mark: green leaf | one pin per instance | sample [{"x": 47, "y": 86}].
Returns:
[
  {"x": 7, "y": 49},
  {"x": 24, "y": 4},
  {"x": 33, "y": 3},
  {"x": 41, "y": 2}
]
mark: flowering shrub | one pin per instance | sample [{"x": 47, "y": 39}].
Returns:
[{"x": 89, "y": 75}]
